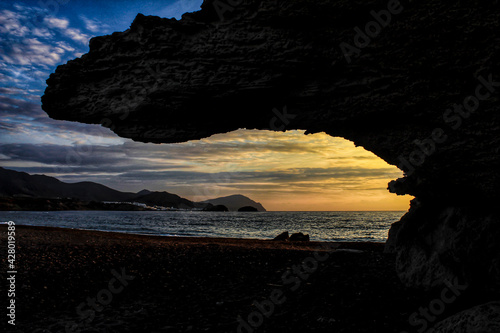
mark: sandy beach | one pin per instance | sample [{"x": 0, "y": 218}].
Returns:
[{"x": 89, "y": 281}]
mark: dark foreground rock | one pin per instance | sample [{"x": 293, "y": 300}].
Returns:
[
  {"x": 435, "y": 243},
  {"x": 483, "y": 318}
]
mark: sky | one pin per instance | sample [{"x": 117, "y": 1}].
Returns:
[{"x": 281, "y": 170}]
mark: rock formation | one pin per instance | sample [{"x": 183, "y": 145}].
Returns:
[
  {"x": 284, "y": 236},
  {"x": 299, "y": 237},
  {"x": 235, "y": 201},
  {"x": 247, "y": 209},
  {"x": 216, "y": 208},
  {"x": 415, "y": 83},
  {"x": 483, "y": 318}
]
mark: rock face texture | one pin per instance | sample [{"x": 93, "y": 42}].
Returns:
[
  {"x": 414, "y": 82},
  {"x": 438, "y": 242},
  {"x": 483, "y": 318}
]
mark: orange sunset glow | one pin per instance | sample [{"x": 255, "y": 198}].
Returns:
[{"x": 291, "y": 171}]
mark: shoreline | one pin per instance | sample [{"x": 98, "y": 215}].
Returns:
[
  {"x": 371, "y": 227},
  {"x": 222, "y": 241}
]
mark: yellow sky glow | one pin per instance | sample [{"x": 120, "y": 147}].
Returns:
[{"x": 296, "y": 172}]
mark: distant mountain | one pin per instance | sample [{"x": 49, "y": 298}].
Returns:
[
  {"x": 19, "y": 185},
  {"x": 235, "y": 202},
  {"x": 143, "y": 192},
  {"x": 164, "y": 199}
]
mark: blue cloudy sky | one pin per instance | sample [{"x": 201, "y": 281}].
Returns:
[{"x": 284, "y": 171}]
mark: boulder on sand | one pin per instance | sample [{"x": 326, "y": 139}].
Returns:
[
  {"x": 299, "y": 237},
  {"x": 282, "y": 237}
]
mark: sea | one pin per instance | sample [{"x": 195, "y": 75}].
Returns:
[{"x": 321, "y": 226}]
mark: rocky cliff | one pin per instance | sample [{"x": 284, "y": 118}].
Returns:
[
  {"x": 236, "y": 201},
  {"x": 414, "y": 82}
]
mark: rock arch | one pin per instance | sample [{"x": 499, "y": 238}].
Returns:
[{"x": 421, "y": 92}]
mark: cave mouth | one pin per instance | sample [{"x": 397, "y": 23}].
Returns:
[
  {"x": 291, "y": 171},
  {"x": 338, "y": 191}
]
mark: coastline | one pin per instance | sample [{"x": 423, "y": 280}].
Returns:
[
  {"x": 321, "y": 226},
  {"x": 77, "y": 235}
]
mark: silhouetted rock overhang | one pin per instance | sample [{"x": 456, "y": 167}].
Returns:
[{"x": 281, "y": 65}]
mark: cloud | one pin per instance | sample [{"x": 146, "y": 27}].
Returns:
[
  {"x": 33, "y": 42},
  {"x": 70, "y": 156},
  {"x": 77, "y": 35},
  {"x": 32, "y": 10},
  {"x": 65, "y": 46},
  {"x": 42, "y": 32},
  {"x": 11, "y": 91},
  {"x": 308, "y": 177},
  {"x": 25, "y": 121},
  {"x": 178, "y": 8},
  {"x": 188, "y": 164},
  {"x": 7, "y": 127},
  {"x": 63, "y": 25},
  {"x": 10, "y": 24},
  {"x": 54, "y": 22},
  {"x": 94, "y": 26},
  {"x": 31, "y": 52},
  {"x": 81, "y": 159},
  {"x": 10, "y": 107}
]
